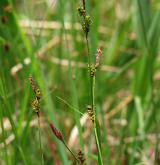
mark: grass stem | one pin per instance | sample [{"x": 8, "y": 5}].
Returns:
[{"x": 40, "y": 141}]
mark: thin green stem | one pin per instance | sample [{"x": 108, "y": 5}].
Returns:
[
  {"x": 71, "y": 152},
  {"x": 40, "y": 142},
  {"x": 95, "y": 126},
  {"x": 92, "y": 91}
]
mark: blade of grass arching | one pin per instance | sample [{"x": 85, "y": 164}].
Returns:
[
  {"x": 74, "y": 94},
  {"x": 49, "y": 113},
  {"x": 70, "y": 106}
]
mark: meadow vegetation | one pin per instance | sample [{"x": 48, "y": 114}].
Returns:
[{"x": 80, "y": 82}]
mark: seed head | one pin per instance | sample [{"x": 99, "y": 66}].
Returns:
[
  {"x": 33, "y": 85},
  {"x": 35, "y": 105},
  {"x": 88, "y": 20},
  {"x": 86, "y": 24},
  {"x": 35, "y": 88},
  {"x": 81, "y": 11},
  {"x": 91, "y": 113},
  {"x": 38, "y": 93},
  {"x": 81, "y": 157},
  {"x": 91, "y": 70},
  {"x": 56, "y": 132}
]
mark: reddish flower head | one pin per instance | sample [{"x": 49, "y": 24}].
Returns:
[{"x": 56, "y": 132}]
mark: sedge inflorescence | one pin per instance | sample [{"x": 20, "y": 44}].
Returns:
[
  {"x": 36, "y": 102},
  {"x": 86, "y": 20}
]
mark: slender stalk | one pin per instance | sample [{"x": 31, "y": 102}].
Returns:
[
  {"x": 40, "y": 141},
  {"x": 92, "y": 92},
  {"x": 71, "y": 152},
  {"x": 84, "y": 4}
]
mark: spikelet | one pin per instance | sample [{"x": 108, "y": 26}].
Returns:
[
  {"x": 35, "y": 88},
  {"x": 56, "y": 132},
  {"x": 38, "y": 94},
  {"x": 91, "y": 113},
  {"x": 33, "y": 85},
  {"x": 35, "y": 105},
  {"x": 36, "y": 102},
  {"x": 81, "y": 11},
  {"x": 81, "y": 157},
  {"x": 92, "y": 70}
]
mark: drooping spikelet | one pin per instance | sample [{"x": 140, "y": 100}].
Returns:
[{"x": 56, "y": 132}]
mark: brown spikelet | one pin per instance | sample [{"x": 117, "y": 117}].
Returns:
[
  {"x": 35, "y": 105},
  {"x": 33, "y": 85},
  {"x": 91, "y": 113},
  {"x": 81, "y": 157},
  {"x": 35, "y": 88},
  {"x": 56, "y": 132}
]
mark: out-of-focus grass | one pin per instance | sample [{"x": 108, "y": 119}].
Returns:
[{"x": 128, "y": 32}]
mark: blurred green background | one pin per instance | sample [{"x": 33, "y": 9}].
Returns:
[{"x": 44, "y": 38}]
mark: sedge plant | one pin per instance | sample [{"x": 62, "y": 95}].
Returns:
[{"x": 86, "y": 22}]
